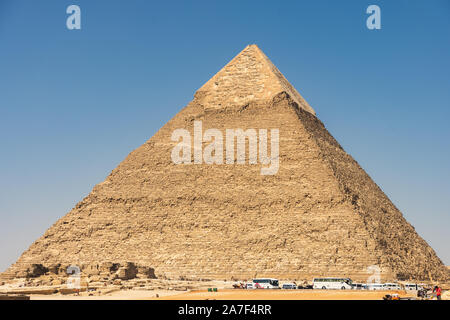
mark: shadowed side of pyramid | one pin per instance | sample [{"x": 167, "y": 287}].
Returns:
[{"x": 319, "y": 215}]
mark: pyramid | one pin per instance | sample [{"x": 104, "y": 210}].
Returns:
[{"x": 320, "y": 214}]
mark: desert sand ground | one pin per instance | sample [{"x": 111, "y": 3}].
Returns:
[
  {"x": 115, "y": 295},
  {"x": 158, "y": 289},
  {"x": 230, "y": 294},
  {"x": 242, "y": 294}
]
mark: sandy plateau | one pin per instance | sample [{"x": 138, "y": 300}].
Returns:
[{"x": 157, "y": 289}]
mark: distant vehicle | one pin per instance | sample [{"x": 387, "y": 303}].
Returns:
[
  {"x": 305, "y": 286},
  {"x": 359, "y": 286},
  {"x": 391, "y": 286},
  {"x": 413, "y": 286},
  {"x": 249, "y": 285},
  {"x": 375, "y": 286},
  {"x": 288, "y": 286},
  {"x": 393, "y": 296},
  {"x": 332, "y": 283},
  {"x": 265, "y": 283}
]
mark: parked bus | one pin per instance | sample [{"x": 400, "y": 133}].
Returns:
[
  {"x": 359, "y": 286},
  {"x": 392, "y": 286},
  {"x": 265, "y": 283},
  {"x": 375, "y": 286},
  {"x": 413, "y": 286},
  {"x": 332, "y": 283}
]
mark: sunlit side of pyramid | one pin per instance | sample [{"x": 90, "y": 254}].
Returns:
[{"x": 320, "y": 215}]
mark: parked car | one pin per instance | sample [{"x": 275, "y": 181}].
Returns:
[
  {"x": 289, "y": 286},
  {"x": 308, "y": 286}
]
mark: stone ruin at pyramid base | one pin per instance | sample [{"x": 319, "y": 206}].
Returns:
[{"x": 319, "y": 215}]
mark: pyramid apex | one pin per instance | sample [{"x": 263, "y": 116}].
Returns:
[{"x": 249, "y": 76}]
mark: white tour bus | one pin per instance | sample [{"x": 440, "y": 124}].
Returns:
[
  {"x": 359, "y": 286},
  {"x": 413, "y": 286},
  {"x": 391, "y": 286},
  {"x": 332, "y": 283},
  {"x": 375, "y": 286},
  {"x": 265, "y": 283}
]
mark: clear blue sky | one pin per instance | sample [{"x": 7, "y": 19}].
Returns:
[{"x": 73, "y": 104}]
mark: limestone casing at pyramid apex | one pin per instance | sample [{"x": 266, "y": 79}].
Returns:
[{"x": 248, "y": 77}]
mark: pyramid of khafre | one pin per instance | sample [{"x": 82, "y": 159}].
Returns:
[{"x": 319, "y": 214}]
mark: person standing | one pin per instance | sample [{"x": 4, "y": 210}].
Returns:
[{"x": 438, "y": 291}]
